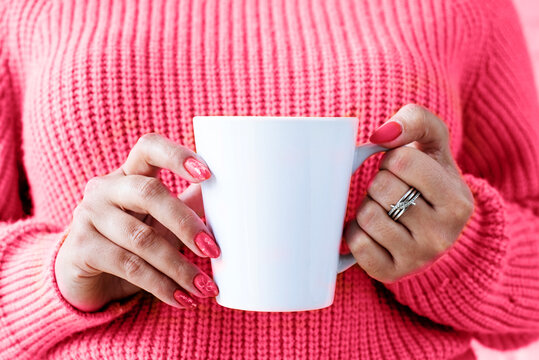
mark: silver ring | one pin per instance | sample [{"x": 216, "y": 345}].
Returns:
[{"x": 402, "y": 205}]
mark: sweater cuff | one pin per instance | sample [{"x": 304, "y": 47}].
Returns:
[
  {"x": 33, "y": 312},
  {"x": 474, "y": 261}
]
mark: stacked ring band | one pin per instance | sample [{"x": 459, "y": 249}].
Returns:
[{"x": 405, "y": 201}]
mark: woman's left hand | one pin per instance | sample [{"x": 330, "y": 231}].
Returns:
[{"x": 387, "y": 249}]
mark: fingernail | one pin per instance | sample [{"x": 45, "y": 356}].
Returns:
[
  {"x": 387, "y": 132},
  {"x": 197, "y": 169},
  {"x": 207, "y": 244},
  {"x": 184, "y": 300},
  {"x": 205, "y": 284}
]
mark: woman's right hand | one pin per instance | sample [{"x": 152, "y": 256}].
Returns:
[{"x": 127, "y": 231}]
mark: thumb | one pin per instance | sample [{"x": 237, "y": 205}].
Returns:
[{"x": 416, "y": 123}]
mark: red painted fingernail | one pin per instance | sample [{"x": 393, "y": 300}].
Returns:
[
  {"x": 197, "y": 169},
  {"x": 184, "y": 300},
  {"x": 205, "y": 284},
  {"x": 387, "y": 132},
  {"x": 207, "y": 244}
]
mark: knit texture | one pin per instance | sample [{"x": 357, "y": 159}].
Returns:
[{"x": 81, "y": 81}]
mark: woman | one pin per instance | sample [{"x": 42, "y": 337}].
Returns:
[{"x": 83, "y": 83}]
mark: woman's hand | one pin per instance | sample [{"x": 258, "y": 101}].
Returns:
[
  {"x": 127, "y": 231},
  {"x": 387, "y": 249}
]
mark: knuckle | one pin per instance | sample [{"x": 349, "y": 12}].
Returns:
[
  {"x": 367, "y": 214},
  {"x": 357, "y": 246},
  {"x": 173, "y": 151},
  {"x": 93, "y": 185},
  {"x": 465, "y": 209},
  {"x": 163, "y": 287},
  {"x": 81, "y": 224},
  {"x": 148, "y": 138},
  {"x": 423, "y": 120},
  {"x": 414, "y": 112},
  {"x": 131, "y": 264},
  {"x": 445, "y": 129},
  {"x": 150, "y": 188},
  {"x": 412, "y": 108},
  {"x": 453, "y": 213},
  {"x": 184, "y": 272},
  {"x": 187, "y": 221},
  {"x": 416, "y": 117},
  {"x": 399, "y": 159},
  {"x": 375, "y": 268},
  {"x": 142, "y": 236},
  {"x": 81, "y": 213},
  {"x": 381, "y": 182},
  {"x": 459, "y": 211},
  {"x": 77, "y": 237}
]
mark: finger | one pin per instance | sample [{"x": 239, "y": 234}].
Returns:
[
  {"x": 415, "y": 123},
  {"x": 192, "y": 197},
  {"x": 148, "y": 195},
  {"x": 417, "y": 169},
  {"x": 162, "y": 231},
  {"x": 391, "y": 235},
  {"x": 370, "y": 256},
  {"x": 424, "y": 223},
  {"x": 385, "y": 190},
  {"x": 110, "y": 258},
  {"x": 153, "y": 152},
  {"x": 143, "y": 241}
]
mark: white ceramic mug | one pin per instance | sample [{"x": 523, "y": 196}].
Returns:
[{"x": 276, "y": 203}]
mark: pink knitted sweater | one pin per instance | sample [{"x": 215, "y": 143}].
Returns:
[{"x": 80, "y": 81}]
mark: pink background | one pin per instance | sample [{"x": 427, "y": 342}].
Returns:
[{"x": 529, "y": 15}]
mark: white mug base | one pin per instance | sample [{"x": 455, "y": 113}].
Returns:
[{"x": 257, "y": 307}]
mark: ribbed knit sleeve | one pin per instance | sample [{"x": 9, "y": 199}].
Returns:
[
  {"x": 488, "y": 281},
  {"x": 33, "y": 314}
]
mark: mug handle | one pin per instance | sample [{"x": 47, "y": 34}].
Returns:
[{"x": 361, "y": 153}]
